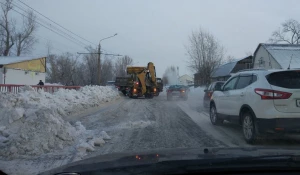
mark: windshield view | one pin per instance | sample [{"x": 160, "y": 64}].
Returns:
[{"x": 149, "y": 86}]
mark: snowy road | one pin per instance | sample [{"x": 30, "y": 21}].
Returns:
[
  {"x": 149, "y": 124},
  {"x": 144, "y": 124}
]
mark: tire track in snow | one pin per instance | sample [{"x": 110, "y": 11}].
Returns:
[{"x": 159, "y": 124}]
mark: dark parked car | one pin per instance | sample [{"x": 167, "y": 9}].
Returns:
[
  {"x": 209, "y": 91},
  {"x": 179, "y": 91}
]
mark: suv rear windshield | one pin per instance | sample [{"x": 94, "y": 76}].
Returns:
[{"x": 285, "y": 79}]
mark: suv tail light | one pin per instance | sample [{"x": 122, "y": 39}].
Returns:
[
  {"x": 209, "y": 94},
  {"x": 268, "y": 94}
]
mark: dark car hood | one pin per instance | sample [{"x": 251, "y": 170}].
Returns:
[{"x": 116, "y": 160}]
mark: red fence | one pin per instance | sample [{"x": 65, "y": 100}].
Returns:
[{"x": 14, "y": 88}]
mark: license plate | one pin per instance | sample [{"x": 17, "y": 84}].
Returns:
[
  {"x": 298, "y": 103},
  {"x": 175, "y": 93}
]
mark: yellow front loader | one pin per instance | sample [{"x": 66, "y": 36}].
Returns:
[{"x": 143, "y": 81}]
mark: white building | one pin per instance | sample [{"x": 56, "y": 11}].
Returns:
[
  {"x": 277, "y": 56},
  {"x": 22, "y": 70},
  {"x": 186, "y": 80}
]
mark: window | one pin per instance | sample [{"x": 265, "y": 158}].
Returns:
[
  {"x": 285, "y": 79},
  {"x": 218, "y": 86},
  {"x": 254, "y": 78},
  {"x": 248, "y": 65},
  {"x": 211, "y": 87},
  {"x": 261, "y": 62},
  {"x": 243, "y": 82},
  {"x": 231, "y": 84}
]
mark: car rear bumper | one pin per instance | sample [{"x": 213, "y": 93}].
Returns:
[
  {"x": 177, "y": 94},
  {"x": 278, "y": 125}
]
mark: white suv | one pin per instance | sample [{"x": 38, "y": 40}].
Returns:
[{"x": 262, "y": 101}]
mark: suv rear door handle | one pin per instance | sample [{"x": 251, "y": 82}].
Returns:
[{"x": 242, "y": 94}]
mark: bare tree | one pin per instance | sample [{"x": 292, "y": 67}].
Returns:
[
  {"x": 24, "y": 37},
  {"x": 7, "y": 28},
  {"x": 91, "y": 67},
  {"x": 248, "y": 53},
  {"x": 62, "y": 69},
  {"x": 20, "y": 40},
  {"x": 228, "y": 59},
  {"x": 205, "y": 53},
  {"x": 107, "y": 73},
  {"x": 289, "y": 33},
  {"x": 121, "y": 64}
]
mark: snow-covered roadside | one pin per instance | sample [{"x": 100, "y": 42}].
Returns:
[{"x": 32, "y": 123}]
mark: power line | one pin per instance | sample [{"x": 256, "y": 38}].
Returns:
[
  {"x": 56, "y": 23},
  {"x": 51, "y": 26},
  {"x": 46, "y": 44},
  {"x": 52, "y": 41}
]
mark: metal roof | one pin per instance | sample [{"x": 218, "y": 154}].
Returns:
[
  {"x": 225, "y": 69},
  {"x": 15, "y": 59},
  {"x": 284, "y": 54}
]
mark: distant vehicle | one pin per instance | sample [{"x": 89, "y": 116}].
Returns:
[
  {"x": 262, "y": 101},
  {"x": 110, "y": 83},
  {"x": 123, "y": 84},
  {"x": 160, "y": 86},
  {"x": 143, "y": 81},
  {"x": 179, "y": 91},
  {"x": 215, "y": 86}
]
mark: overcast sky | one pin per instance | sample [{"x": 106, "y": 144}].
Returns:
[{"x": 157, "y": 30}]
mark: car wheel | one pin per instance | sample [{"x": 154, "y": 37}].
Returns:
[
  {"x": 249, "y": 128},
  {"x": 151, "y": 95},
  {"x": 213, "y": 115}
]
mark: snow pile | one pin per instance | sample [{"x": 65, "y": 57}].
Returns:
[
  {"x": 68, "y": 101},
  {"x": 31, "y": 122}
]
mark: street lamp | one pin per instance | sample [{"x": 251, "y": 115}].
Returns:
[{"x": 99, "y": 56}]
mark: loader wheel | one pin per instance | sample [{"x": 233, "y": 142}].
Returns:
[
  {"x": 151, "y": 95},
  {"x": 147, "y": 95},
  {"x": 157, "y": 94}
]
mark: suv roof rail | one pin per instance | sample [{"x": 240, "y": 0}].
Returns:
[{"x": 243, "y": 70}]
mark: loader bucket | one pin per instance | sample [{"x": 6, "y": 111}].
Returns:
[{"x": 135, "y": 70}]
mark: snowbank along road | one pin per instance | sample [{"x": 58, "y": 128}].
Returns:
[{"x": 131, "y": 125}]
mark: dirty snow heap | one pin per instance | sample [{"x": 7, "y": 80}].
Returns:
[{"x": 32, "y": 122}]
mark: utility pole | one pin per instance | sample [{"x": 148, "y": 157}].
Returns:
[
  {"x": 99, "y": 57},
  {"x": 99, "y": 63}
]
